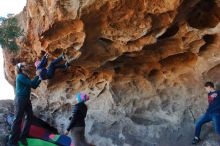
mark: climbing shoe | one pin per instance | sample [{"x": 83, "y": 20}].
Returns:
[
  {"x": 46, "y": 55},
  {"x": 62, "y": 56},
  {"x": 196, "y": 140},
  {"x": 67, "y": 64}
]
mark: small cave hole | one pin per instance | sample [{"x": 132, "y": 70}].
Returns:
[
  {"x": 171, "y": 31},
  {"x": 105, "y": 40}
]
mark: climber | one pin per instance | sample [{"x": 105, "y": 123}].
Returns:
[
  {"x": 212, "y": 112},
  {"x": 77, "y": 123},
  {"x": 49, "y": 73},
  {"x": 22, "y": 103}
]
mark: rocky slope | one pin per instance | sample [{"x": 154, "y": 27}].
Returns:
[
  {"x": 6, "y": 107},
  {"x": 143, "y": 62}
]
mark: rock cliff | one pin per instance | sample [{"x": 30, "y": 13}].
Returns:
[{"x": 143, "y": 62}]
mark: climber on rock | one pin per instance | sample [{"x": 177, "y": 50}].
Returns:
[
  {"x": 22, "y": 103},
  {"x": 41, "y": 66},
  {"x": 212, "y": 112},
  {"x": 77, "y": 123}
]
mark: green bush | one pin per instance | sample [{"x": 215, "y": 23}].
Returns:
[{"x": 9, "y": 32}]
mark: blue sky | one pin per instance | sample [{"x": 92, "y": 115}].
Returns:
[{"x": 6, "y": 7}]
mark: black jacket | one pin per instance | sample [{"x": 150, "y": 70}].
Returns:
[{"x": 79, "y": 115}]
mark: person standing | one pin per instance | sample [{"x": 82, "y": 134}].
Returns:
[
  {"x": 22, "y": 104},
  {"x": 212, "y": 113},
  {"x": 77, "y": 123}
]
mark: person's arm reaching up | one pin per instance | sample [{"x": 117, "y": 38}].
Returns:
[
  {"x": 31, "y": 83},
  {"x": 36, "y": 82}
]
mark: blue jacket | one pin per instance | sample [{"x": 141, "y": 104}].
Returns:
[
  {"x": 24, "y": 85},
  {"x": 214, "y": 102},
  {"x": 42, "y": 66}
]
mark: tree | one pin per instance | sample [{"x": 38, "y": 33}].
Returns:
[{"x": 9, "y": 32}]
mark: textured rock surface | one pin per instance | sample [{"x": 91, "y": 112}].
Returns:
[
  {"x": 6, "y": 107},
  {"x": 143, "y": 62}
]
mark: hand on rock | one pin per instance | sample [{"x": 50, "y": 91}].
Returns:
[{"x": 77, "y": 55}]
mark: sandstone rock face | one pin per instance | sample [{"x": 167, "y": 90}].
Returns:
[{"x": 143, "y": 62}]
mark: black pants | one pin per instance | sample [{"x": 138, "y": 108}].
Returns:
[
  {"x": 22, "y": 106},
  {"x": 78, "y": 134}
]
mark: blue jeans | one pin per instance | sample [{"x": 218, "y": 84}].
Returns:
[
  {"x": 43, "y": 63},
  {"x": 207, "y": 117},
  {"x": 53, "y": 66}
]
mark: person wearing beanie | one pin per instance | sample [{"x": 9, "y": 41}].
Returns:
[
  {"x": 22, "y": 103},
  {"x": 77, "y": 121}
]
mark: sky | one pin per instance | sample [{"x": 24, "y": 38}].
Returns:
[
  {"x": 11, "y": 6},
  {"x": 8, "y": 7}
]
